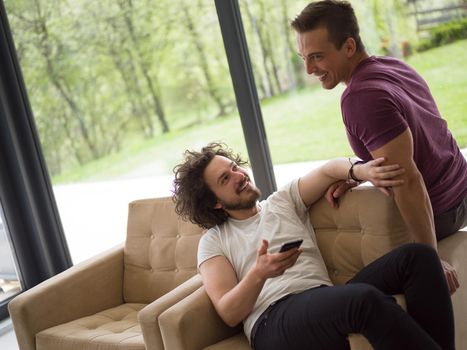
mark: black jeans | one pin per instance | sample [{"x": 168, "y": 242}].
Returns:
[
  {"x": 322, "y": 318},
  {"x": 451, "y": 221}
]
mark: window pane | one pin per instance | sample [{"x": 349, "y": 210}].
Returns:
[
  {"x": 119, "y": 89},
  {"x": 9, "y": 280},
  {"x": 303, "y": 121}
]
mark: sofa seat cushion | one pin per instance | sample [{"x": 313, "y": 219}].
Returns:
[{"x": 115, "y": 328}]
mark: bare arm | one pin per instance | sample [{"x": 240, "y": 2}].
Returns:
[
  {"x": 314, "y": 185},
  {"x": 233, "y": 299},
  {"x": 412, "y": 197}
]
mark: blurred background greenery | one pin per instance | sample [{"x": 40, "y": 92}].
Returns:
[{"x": 116, "y": 85}]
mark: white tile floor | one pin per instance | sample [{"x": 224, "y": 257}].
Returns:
[{"x": 7, "y": 336}]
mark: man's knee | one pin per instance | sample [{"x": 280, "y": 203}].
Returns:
[
  {"x": 368, "y": 302},
  {"x": 418, "y": 250},
  {"x": 368, "y": 295}
]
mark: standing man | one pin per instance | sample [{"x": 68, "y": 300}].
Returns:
[
  {"x": 388, "y": 111},
  {"x": 286, "y": 300}
]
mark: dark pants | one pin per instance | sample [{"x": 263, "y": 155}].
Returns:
[
  {"x": 322, "y": 318},
  {"x": 451, "y": 221}
]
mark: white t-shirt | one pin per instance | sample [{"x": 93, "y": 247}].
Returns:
[{"x": 282, "y": 217}]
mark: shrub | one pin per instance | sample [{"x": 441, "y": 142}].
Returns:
[{"x": 444, "y": 34}]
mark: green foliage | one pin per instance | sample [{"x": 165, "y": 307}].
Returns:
[
  {"x": 444, "y": 34},
  {"x": 301, "y": 125},
  {"x": 117, "y": 83}
]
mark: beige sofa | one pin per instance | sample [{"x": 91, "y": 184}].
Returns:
[
  {"x": 113, "y": 301},
  {"x": 366, "y": 225},
  {"x": 133, "y": 297}
]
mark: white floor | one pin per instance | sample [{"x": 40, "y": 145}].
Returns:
[{"x": 7, "y": 336}]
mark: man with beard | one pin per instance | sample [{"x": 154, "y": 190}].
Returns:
[{"x": 286, "y": 299}]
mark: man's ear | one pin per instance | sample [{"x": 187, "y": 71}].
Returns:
[
  {"x": 350, "y": 47},
  {"x": 218, "y": 205}
]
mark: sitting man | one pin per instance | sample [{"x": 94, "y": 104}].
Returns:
[{"x": 286, "y": 299}]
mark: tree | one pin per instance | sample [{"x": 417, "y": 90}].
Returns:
[{"x": 203, "y": 58}]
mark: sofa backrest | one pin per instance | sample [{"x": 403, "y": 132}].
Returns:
[
  {"x": 160, "y": 250},
  {"x": 366, "y": 225}
]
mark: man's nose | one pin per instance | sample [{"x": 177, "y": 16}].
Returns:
[
  {"x": 239, "y": 176},
  {"x": 310, "y": 66}
]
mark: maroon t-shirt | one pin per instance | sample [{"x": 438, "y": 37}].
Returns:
[{"x": 383, "y": 98}]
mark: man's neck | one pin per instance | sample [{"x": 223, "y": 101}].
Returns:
[
  {"x": 354, "y": 62},
  {"x": 243, "y": 214}
]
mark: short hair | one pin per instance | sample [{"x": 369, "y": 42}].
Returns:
[
  {"x": 338, "y": 17},
  {"x": 194, "y": 200}
]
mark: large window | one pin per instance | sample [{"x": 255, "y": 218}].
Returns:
[{"x": 119, "y": 89}]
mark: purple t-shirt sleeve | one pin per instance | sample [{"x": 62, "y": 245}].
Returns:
[{"x": 372, "y": 116}]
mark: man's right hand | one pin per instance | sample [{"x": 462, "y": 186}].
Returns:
[
  {"x": 336, "y": 190},
  {"x": 275, "y": 264},
  {"x": 451, "y": 276}
]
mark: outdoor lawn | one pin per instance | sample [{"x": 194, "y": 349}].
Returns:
[{"x": 301, "y": 126}]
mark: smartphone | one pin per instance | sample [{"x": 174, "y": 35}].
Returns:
[{"x": 290, "y": 245}]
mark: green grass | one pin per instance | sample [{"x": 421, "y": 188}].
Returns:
[
  {"x": 300, "y": 126},
  {"x": 446, "y": 73}
]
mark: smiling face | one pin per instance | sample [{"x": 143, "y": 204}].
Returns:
[
  {"x": 321, "y": 57},
  {"x": 230, "y": 184}
]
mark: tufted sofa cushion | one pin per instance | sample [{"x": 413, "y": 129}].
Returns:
[
  {"x": 160, "y": 250},
  {"x": 115, "y": 328},
  {"x": 369, "y": 227}
]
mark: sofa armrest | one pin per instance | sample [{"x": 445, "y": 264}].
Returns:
[
  {"x": 84, "y": 289},
  {"x": 193, "y": 324},
  {"x": 148, "y": 316}
]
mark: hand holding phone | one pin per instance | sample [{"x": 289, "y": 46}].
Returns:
[{"x": 291, "y": 245}]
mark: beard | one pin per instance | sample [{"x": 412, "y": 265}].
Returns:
[{"x": 243, "y": 203}]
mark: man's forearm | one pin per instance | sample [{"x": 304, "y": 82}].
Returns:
[
  {"x": 338, "y": 168},
  {"x": 237, "y": 304},
  {"x": 415, "y": 207}
]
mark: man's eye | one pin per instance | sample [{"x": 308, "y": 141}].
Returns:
[{"x": 314, "y": 58}]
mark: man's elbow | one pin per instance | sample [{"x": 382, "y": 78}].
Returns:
[
  {"x": 230, "y": 321},
  {"x": 230, "y": 318}
]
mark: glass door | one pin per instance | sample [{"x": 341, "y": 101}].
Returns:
[{"x": 119, "y": 89}]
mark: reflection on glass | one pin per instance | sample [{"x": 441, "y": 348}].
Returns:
[
  {"x": 119, "y": 89},
  {"x": 9, "y": 281}
]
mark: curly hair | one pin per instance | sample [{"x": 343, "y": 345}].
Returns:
[
  {"x": 193, "y": 199},
  {"x": 338, "y": 17}
]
